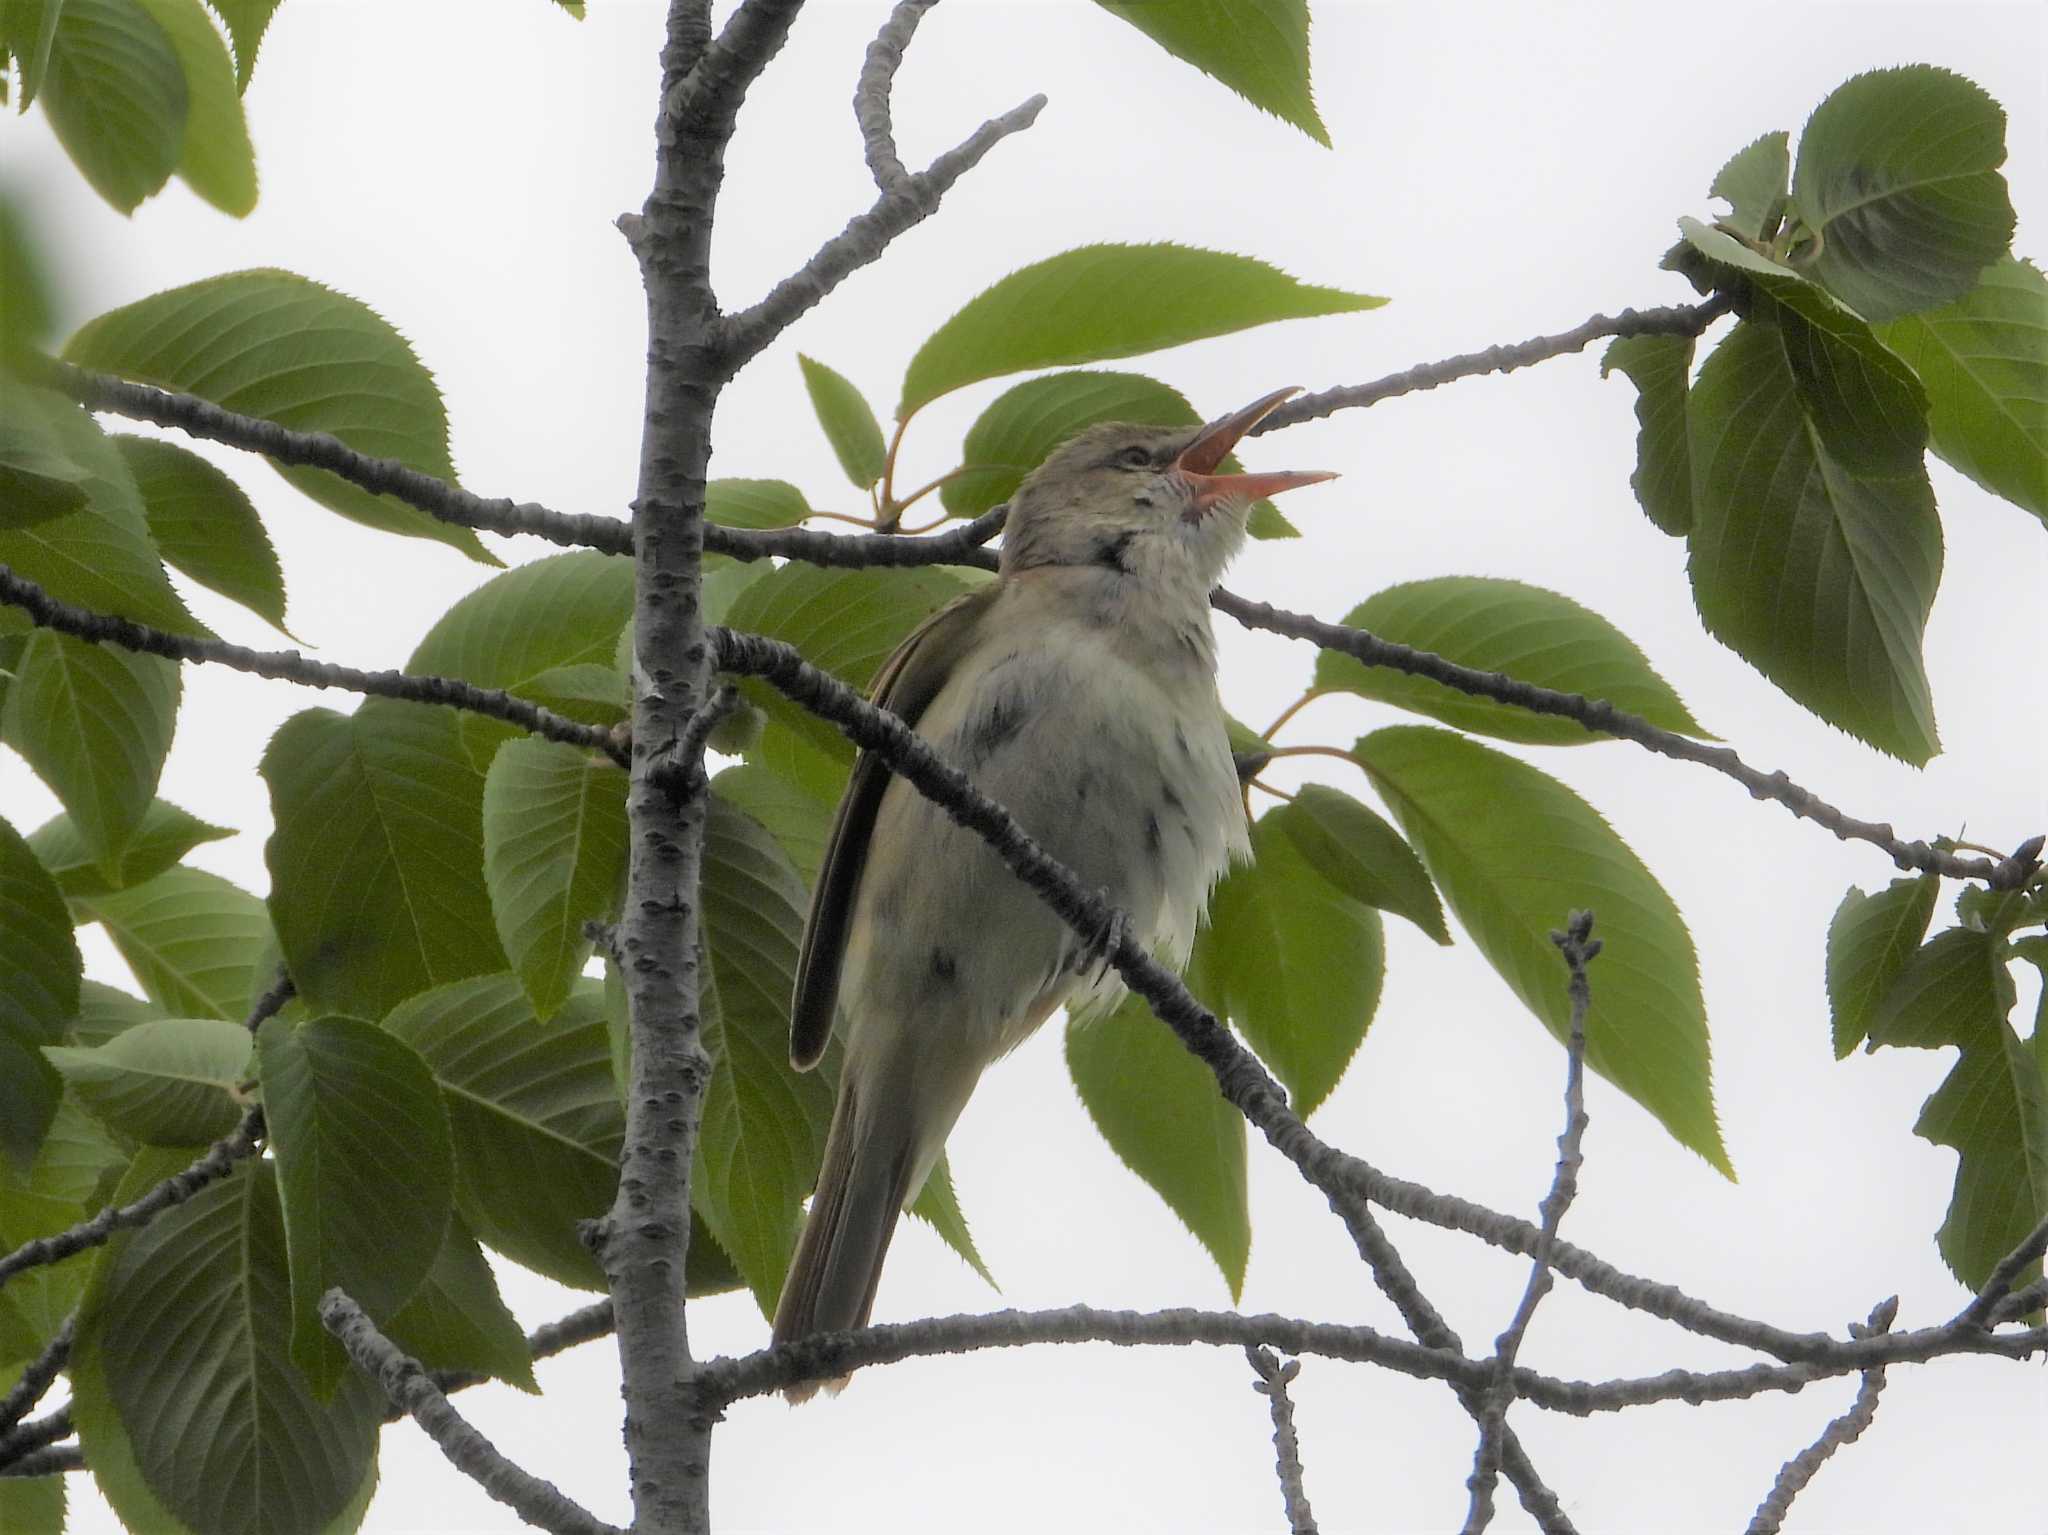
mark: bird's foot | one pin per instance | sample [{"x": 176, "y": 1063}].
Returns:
[{"x": 1098, "y": 951}]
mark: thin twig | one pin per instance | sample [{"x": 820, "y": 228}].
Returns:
[
  {"x": 1579, "y": 948},
  {"x": 217, "y": 1163},
  {"x": 1845, "y": 1430},
  {"x": 871, "y": 94},
  {"x": 272, "y": 1000},
  {"x": 289, "y": 666},
  {"x": 37, "y": 1375},
  {"x": 866, "y": 236},
  {"x": 682, "y": 771},
  {"x": 1602, "y": 718},
  {"x": 1980, "y": 1311},
  {"x": 58, "y": 1458},
  {"x": 26, "y": 1439},
  {"x": 706, "y": 103},
  {"x": 825, "y": 1356},
  {"x": 1677, "y": 320},
  {"x": 2022, "y": 1302},
  {"x": 537, "y": 1502},
  {"x": 452, "y": 504},
  {"x": 318, "y": 450},
  {"x": 1272, "y": 1384}
]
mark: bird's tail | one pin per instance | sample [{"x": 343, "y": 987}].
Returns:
[{"x": 861, "y": 1189}]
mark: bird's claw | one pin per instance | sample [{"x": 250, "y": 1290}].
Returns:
[{"x": 1099, "y": 951}]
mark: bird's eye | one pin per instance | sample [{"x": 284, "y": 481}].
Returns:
[{"x": 1135, "y": 458}]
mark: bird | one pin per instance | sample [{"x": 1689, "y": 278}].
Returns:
[{"x": 1078, "y": 690}]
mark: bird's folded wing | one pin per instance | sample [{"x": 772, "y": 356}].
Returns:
[{"x": 907, "y": 683}]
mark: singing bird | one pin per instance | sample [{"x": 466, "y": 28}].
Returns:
[{"x": 1078, "y": 689}]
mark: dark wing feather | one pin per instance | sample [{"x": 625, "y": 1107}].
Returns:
[{"x": 907, "y": 683}]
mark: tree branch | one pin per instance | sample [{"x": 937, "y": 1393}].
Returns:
[
  {"x": 318, "y": 450},
  {"x": 36, "y": 1376},
  {"x": 1602, "y": 718},
  {"x": 26, "y": 1439},
  {"x": 289, "y": 666},
  {"x": 908, "y": 203},
  {"x": 538, "y": 1503},
  {"x": 217, "y": 1163},
  {"x": 706, "y": 103},
  {"x": 1579, "y": 948},
  {"x": 452, "y": 504},
  {"x": 1272, "y": 1384},
  {"x": 1847, "y": 1429},
  {"x": 1981, "y": 1310},
  {"x": 871, "y": 94},
  {"x": 1677, "y": 320},
  {"x": 826, "y": 1356}
]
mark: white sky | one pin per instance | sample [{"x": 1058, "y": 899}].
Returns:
[{"x": 1499, "y": 172}]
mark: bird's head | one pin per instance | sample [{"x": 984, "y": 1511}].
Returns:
[{"x": 1144, "y": 500}]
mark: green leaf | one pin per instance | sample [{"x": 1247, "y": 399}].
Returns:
[
  {"x": 800, "y": 762},
  {"x": 1158, "y": 1108},
  {"x": 106, "y": 1012},
  {"x": 1950, "y": 991},
  {"x": 736, "y": 503},
  {"x": 196, "y": 942},
  {"x": 283, "y": 347},
  {"x": 216, "y": 159},
  {"x": 1864, "y": 403},
  {"x": 763, "y": 1131},
  {"x": 246, "y": 21},
  {"x": 1820, "y": 579},
  {"x": 1984, "y": 362},
  {"x": 1103, "y": 301},
  {"x": 95, "y": 723},
  {"x": 554, "y": 859},
  {"x": 1869, "y": 942},
  {"x": 456, "y": 1320},
  {"x": 1993, "y": 1106},
  {"x": 190, "y": 1412},
  {"x": 365, "y": 1172},
  {"x": 166, "y": 835},
  {"x": 101, "y": 556},
  {"x": 32, "y": 1505},
  {"x": 1898, "y": 179},
  {"x": 1532, "y": 635},
  {"x": 376, "y": 864},
  {"x": 799, "y": 821},
  {"x": 72, "y": 1172},
  {"x": 205, "y": 525},
  {"x": 1259, "y": 48},
  {"x": 1719, "y": 246},
  {"x": 529, "y": 631},
  {"x": 1297, "y": 963},
  {"x": 39, "y": 975},
  {"x": 846, "y": 621},
  {"x": 849, "y": 423},
  {"x": 1514, "y": 852},
  {"x": 26, "y": 319},
  {"x": 39, "y": 479},
  {"x": 536, "y": 1123},
  {"x": 167, "y": 1082},
  {"x": 939, "y": 1208},
  {"x": 1358, "y": 853},
  {"x": 1658, "y": 366},
  {"x": 31, "y": 45},
  {"x": 116, "y": 98},
  {"x": 1753, "y": 184}
]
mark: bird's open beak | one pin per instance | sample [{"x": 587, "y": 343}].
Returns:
[{"x": 1213, "y": 444}]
